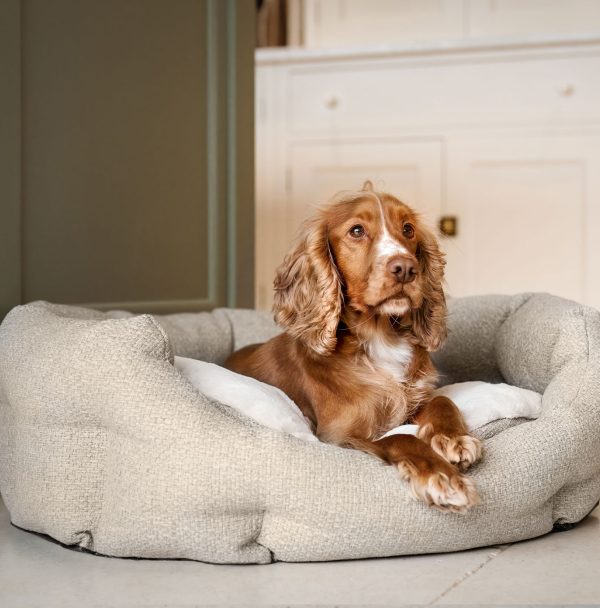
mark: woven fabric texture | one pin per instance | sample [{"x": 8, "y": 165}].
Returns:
[{"x": 104, "y": 445}]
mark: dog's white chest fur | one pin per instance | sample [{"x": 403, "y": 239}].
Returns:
[{"x": 394, "y": 359}]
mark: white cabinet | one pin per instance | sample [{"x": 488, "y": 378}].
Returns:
[
  {"x": 335, "y": 23},
  {"x": 524, "y": 17},
  {"x": 330, "y": 23},
  {"x": 412, "y": 170},
  {"x": 425, "y": 92},
  {"x": 526, "y": 207},
  {"x": 507, "y": 140}
]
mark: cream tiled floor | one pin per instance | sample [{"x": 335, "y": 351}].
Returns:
[{"x": 558, "y": 569}]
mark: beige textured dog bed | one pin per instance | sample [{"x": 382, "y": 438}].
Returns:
[{"x": 105, "y": 445}]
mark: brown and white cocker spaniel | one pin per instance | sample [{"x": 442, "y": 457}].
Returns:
[{"x": 361, "y": 300}]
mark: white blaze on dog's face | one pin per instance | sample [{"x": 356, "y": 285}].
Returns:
[{"x": 374, "y": 240}]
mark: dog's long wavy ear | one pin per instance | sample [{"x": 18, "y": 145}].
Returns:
[
  {"x": 308, "y": 291},
  {"x": 429, "y": 321}
]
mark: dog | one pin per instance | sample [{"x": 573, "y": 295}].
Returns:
[{"x": 362, "y": 303}]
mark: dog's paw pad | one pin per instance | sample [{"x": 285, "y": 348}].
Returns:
[
  {"x": 455, "y": 493},
  {"x": 462, "y": 451}
]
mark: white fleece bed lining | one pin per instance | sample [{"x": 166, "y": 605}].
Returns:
[{"x": 480, "y": 402}]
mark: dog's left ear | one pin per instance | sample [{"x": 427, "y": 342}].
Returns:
[{"x": 429, "y": 321}]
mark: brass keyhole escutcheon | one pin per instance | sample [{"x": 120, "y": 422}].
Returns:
[{"x": 448, "y": 225}]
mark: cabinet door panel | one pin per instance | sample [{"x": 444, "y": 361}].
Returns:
[
  {"x": 331, "y": 23},
  {"x": 488, "y": 18},
  {"x": 534, "y": 89},
  {"x": 524, "y": 207},
  {"x": 411, "y": 170}
]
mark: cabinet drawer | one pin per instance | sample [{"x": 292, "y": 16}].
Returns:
[{"x": 384, "y": 94}]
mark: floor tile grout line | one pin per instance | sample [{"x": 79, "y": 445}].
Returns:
[{"x": 469, "y": 573}]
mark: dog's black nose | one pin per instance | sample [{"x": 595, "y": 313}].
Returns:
[{"x": 403, "y": 269}]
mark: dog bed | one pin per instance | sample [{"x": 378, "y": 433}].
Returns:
[{"x": 105, "y": 445}]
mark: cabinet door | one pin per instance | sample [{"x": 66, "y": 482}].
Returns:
[
  {"x": 411, "y": 170},
  {"x": 331, "y": 23},
  {"x": 527, "y": 216},
  {"x": 489, "y": 18}
]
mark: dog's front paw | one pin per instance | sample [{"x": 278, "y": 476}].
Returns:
[
  {"x": 445, "y": 491},
  {"x": 462, "y": 450}
]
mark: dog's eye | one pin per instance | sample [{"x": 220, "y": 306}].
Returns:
[
  {"x": 408, "y": 231},
  {"x": 357, "y": 231}
]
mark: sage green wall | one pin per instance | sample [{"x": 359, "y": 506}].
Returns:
[
  {"x": 130, "y": 156},
  {"x": 10, "y": 155}
]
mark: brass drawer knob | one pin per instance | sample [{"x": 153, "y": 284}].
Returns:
[
  {"x": 567, "y": 90},
  {"x": 448, "y": 225},
  {"x": 331, "y": 103}
]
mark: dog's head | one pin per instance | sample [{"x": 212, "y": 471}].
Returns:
[{"x": 371, "y": 253}]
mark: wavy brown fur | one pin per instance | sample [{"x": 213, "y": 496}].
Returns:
[{"x": 361, "y": 301}]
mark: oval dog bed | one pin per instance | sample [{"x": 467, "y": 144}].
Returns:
[{"x": 106, "y": 446}]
